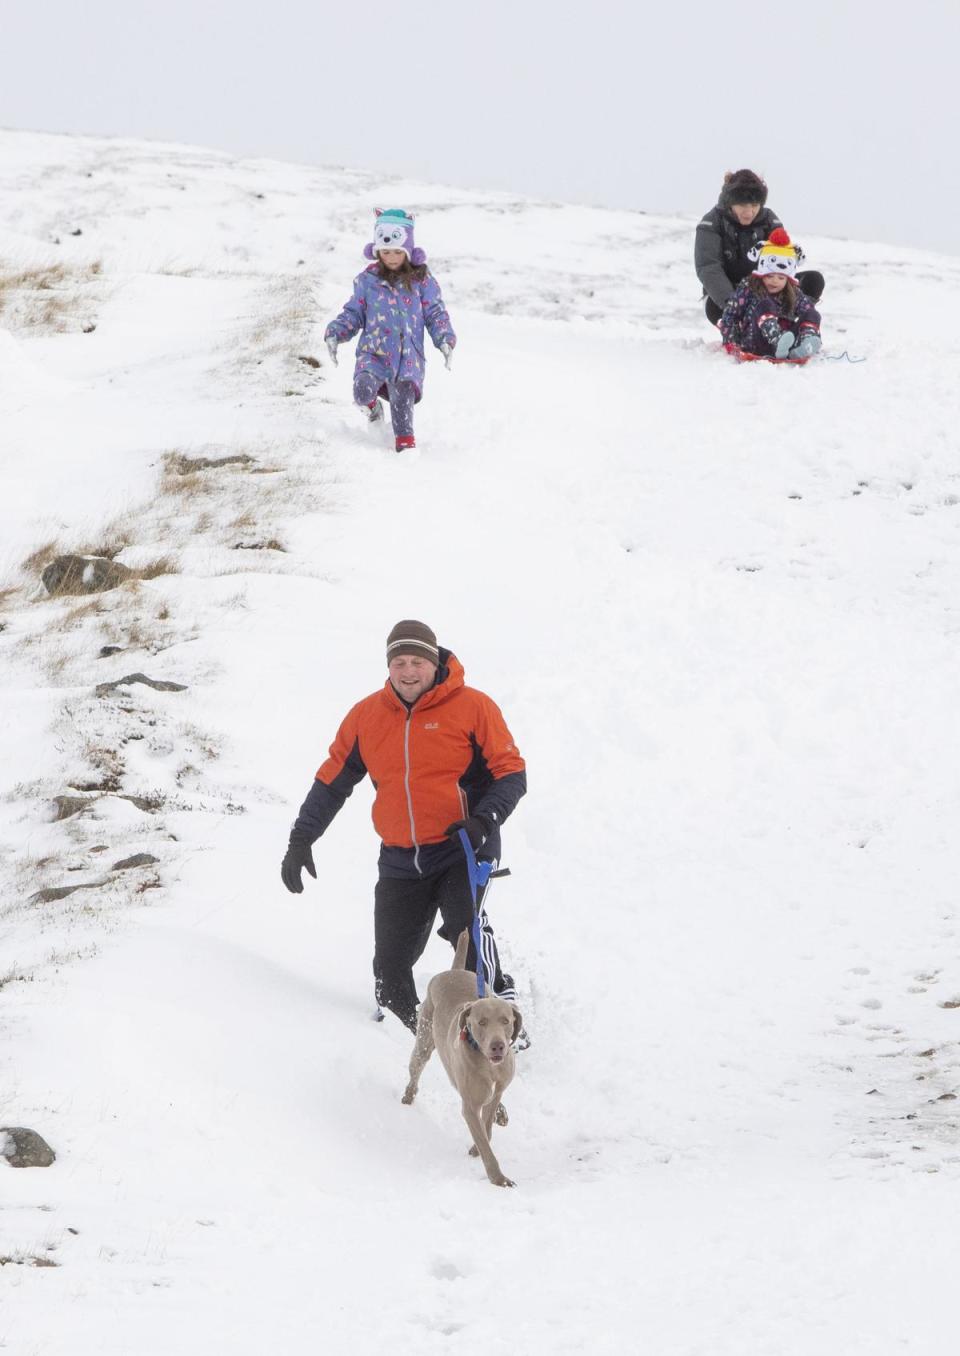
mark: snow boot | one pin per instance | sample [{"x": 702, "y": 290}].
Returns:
[
  {"x": 374, "y": 410},
  {"x": 405, "y": 442},
  {"x": 507, "y": 990}
]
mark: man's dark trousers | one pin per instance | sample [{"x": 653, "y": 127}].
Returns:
[{"x": 403, "y": 916}]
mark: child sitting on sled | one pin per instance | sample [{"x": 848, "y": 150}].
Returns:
[
  {"x": 768, "y": 316},
  {"x": 393, "y": 300}
]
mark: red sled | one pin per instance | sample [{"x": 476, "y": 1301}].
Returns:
[{"x": 742, "y": 356}]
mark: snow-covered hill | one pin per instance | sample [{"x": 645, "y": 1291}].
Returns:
[{"x": 718, "y": 606}]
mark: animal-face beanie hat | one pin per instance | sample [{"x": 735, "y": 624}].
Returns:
[
  {"x": 778, "y": 255},
  {"x": 742, "y": 186},
  {"x": 394, "y": 231}
]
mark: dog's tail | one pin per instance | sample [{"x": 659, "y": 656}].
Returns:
[{"x": 460, "y": 957}]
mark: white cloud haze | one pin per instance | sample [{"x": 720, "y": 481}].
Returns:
[{"x": 848, "y": 109}]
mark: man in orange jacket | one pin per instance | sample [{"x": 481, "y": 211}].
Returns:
[{"x": 441, "y": 759}]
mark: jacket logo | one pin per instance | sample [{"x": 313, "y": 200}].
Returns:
[{"x": 431, "y": 725}]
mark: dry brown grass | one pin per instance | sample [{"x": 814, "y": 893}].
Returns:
[
  {"x": 268, "y": 544},
  {"x": 186, "y": 487},
  {"x": 131, "y": 634},
  {"x": 48, "y": 297},
  {"x": 107, "y": 765},
  {"x": 156, "y": 568},
  {"x": 26, "y": 1259},
  {"x": 55, "y": 664},
  {"x": 79, "y": 614},
  {"x": 185, "y": 477},
  {"x": 42, "y": 556},
  {"x": 117, "y": 539},
  {"x": 32, "y": 280}
]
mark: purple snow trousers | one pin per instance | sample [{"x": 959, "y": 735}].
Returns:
[{"x": 402, "y": 396}]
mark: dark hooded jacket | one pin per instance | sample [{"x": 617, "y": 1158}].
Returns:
[{"x": 722, "y": 246}]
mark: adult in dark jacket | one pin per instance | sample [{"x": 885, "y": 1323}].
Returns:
[
  {"x": 739, "y": 223},
  {"x": 441, "y": 759}
]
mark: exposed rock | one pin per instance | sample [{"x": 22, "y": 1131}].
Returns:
[
  {"x": 149, "y": 804},
  {"x": 138, "y": 859},
  {"x": 83, "y": 574},
  {"x": 103, "y": 688},
  {"x": 107, "y": 650},
  {"x": 311, "y": 362},
  {"x": 51, "y": 893},
  {"x": 66, "y": 806},
  {"x": 185, "y": 466},
  {"x": 24, "y": 1148}
]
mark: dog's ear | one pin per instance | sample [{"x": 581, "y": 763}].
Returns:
[
  {"x": 464, "y": 1014},
  {"x": 517, "y": 1022}
]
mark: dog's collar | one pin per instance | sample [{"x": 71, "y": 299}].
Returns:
[{"x": 467, "y": 1035}]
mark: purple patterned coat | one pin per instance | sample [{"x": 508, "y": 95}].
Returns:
[
  {"x": 755, "y": 323},
  {"x": 391, "y": 321}
]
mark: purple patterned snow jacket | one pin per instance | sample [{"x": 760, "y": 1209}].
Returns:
[
  {"x": 755, "y": 323},
  {"x": 391, "y": 320}
]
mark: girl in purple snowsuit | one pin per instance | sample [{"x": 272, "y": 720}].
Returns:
[
  {"x": 768, "y": 316},
  {"x": 393, "y": 301}
]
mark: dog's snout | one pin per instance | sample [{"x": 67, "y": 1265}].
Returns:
[{"x": 498, "y": 1048}]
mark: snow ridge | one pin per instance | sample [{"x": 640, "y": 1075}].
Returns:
[{"x": 718, "y": 607}]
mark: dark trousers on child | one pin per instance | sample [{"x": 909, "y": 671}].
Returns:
[
  {"x": 811, "y": 285},
  {"x": 401, "y": 394},
  {"x": 403, "y": 916}
]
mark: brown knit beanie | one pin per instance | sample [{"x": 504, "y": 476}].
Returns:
[{"x": 413, "y": 637}]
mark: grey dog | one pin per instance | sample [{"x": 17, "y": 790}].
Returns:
[{"x": 473, "y": 1037}]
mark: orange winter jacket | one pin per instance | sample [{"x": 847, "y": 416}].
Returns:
[{"x": 448, "y": 756}]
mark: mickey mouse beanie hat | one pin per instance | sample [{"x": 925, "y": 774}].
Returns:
[
  {"x": 394, "y": 231},
  {"x": 413, "y": 637}
]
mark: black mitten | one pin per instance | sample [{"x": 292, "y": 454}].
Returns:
[
  {"x": 477, "y": 828},
  {"x": 298, "y": 856}
]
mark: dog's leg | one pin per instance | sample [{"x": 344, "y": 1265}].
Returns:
[
  {"x": 489, "y": 1112},
  {"x": 486, "y": 1117},
  {"x": 481, "y": 1140},
  {"x": 423, "y": 1048}
]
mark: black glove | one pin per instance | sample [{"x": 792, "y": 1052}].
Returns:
[
  {"x": 297, "y": 857},
  {"x": 477, "y": 828}
]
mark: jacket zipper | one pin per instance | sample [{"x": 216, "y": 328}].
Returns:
[{"x": 406, "y": 787}]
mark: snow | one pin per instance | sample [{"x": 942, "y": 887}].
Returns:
[{"x": 718, "y": 606}]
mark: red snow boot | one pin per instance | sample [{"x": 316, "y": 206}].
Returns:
[{"x": 405, "y": 442}]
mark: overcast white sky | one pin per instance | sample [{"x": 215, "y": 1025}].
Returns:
[{"x": 847, "y": 108}]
